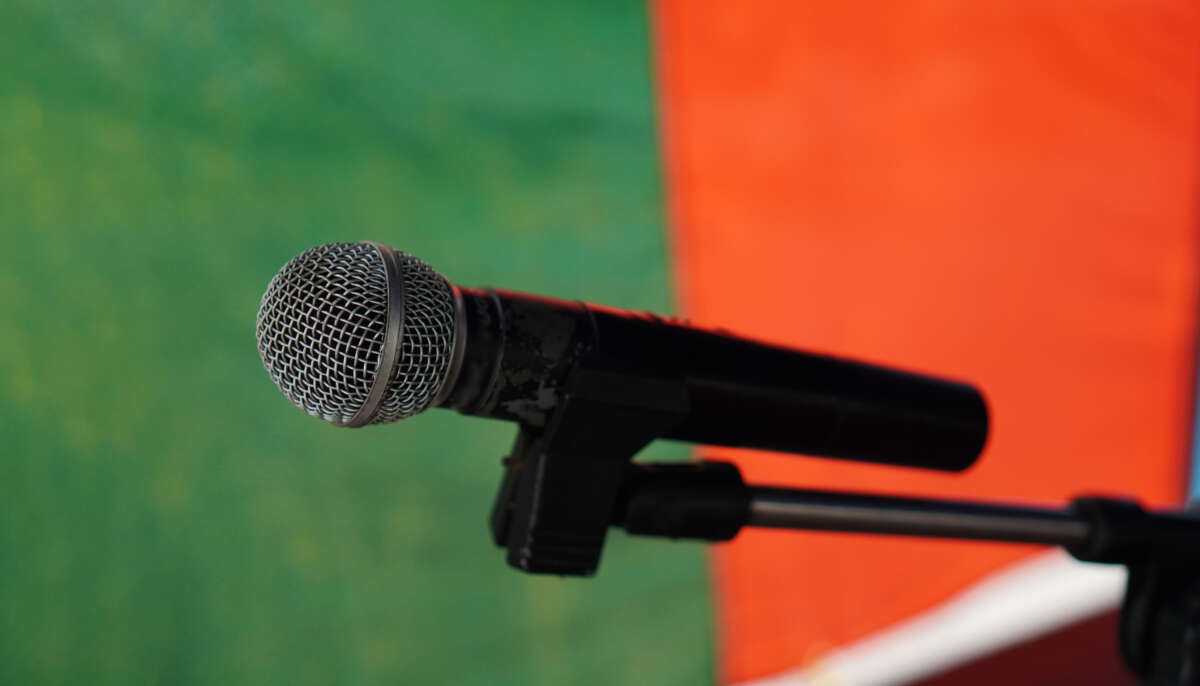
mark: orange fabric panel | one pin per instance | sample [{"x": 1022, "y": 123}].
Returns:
[{"x": 1003, "y": 193}]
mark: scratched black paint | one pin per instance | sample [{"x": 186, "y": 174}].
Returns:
[{"x": 519, "y": 350}]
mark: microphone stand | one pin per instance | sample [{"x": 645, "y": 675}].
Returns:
[
  {"x": 568, "y": 481},
  {"x": 1160, "y": 617}
]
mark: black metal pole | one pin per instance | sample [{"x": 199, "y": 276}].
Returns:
[
  {"x": 782, "y": 508},
  {"x": 710, "y": 501}
]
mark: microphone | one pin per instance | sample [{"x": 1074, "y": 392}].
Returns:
[{"x": 359, "y": 333}]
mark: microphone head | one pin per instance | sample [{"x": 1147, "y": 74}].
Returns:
[{"x": 358, "y": 333}]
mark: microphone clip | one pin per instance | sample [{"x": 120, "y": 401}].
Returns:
[{"x": 563, "y": 483}]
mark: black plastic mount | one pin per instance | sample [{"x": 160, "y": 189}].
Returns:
[{"x": 563, "y": 483}]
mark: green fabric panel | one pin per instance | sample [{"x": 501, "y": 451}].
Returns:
[{"x": 167, "y": 517}]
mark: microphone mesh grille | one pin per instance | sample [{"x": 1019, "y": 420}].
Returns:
[{"x": 321, "y": 327}]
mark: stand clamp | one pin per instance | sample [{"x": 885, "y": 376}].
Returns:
[
  {"x": 1160, "y": 616},
  {"x": 563, "y": 483}
]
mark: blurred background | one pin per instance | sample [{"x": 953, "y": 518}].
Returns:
[
  {"x": 1003, "y": 193},
  {"x": 167, "y": 516}
]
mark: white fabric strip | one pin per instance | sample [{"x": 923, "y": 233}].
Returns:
[{"x": 1012, "y": 606}]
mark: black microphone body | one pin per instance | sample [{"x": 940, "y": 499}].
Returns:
[{"x": 519, "y": 350}]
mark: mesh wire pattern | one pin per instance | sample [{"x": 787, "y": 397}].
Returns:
[{"x": 321, "y": 327}]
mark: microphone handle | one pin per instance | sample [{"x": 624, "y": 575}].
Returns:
[{"x": 520, "y": 348}]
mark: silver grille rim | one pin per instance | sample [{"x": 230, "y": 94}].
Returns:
[{"x": 393, "y": 333}]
